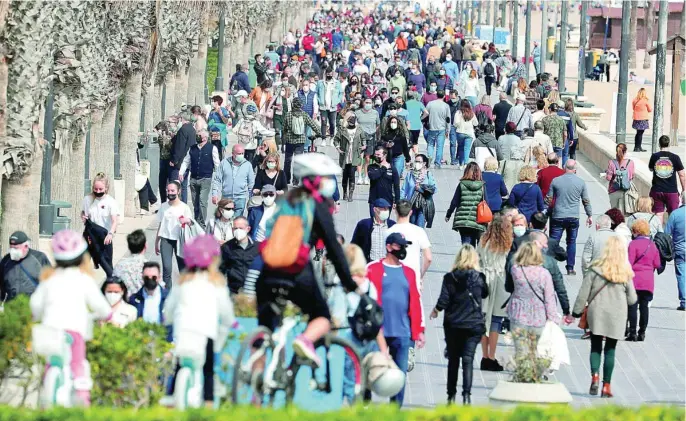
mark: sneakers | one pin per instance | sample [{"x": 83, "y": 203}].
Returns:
[
  {"x": 366, "y": 180},
  {"x": 304, "y": 348},
  {"x": 571, "y": 272},
  {"x": 681, "y": 307},
  {"x": 488, "y": 364},
  {"x": 410, "y": 360},
  {"x": 586, "y": 335}
]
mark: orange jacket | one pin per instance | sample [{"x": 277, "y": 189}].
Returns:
[
  {"x": 642, "y": 109},
  {"x": 401, "y": 43},
  {"x": 256, "y": 96}
]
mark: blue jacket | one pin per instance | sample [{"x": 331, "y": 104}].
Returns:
[
  {"x": 242, "y": 82},
  {"x": 337, "y": 39},
  {"x": 495, "y": 190},
  {"x": 254, "y": 217},
  {"x": 408, "y": 187},
  {"x": 675, "y": 227},
  {"x": 451, "y": 69},
  {"x": 138, "y": 301},
  {"x": 336, "y": 97},
  {"x": 308, "y": 101},
  {"x": 527, "y": 197},
  {"x": 362, "y": 236},
  {"x": 225, "y": 185}
]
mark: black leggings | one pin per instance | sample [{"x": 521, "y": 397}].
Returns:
[
  {"x": 348, "y": 176},
  {"x": 644, "y": 298},
  {"x": 488, "y": 81},
  {"x": 638, "y": 139},
  {"x": 207, "y": 373},
  {"x": 414, "y": 137},
  {"x": 461, "y": 344}
]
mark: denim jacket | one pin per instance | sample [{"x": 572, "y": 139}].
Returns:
[
  {"x": 408, "y": 187},
  {"x": 226, "y": 184}
]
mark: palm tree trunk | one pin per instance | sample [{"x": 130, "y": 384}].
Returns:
[
  {"x": 181, "y": 87},
  {"x": 128, "y": 144},
  {"x": 149, "y": 116},
  {"x": 68, "y": 166},
  {"x": 170, "y": 95},
  {"x": 648, "y": 23},
  {"x": 226, "y": 64},
  {"x": 102, "y": 142},
  {"x": 632, "y": 39},
  {"x": 157, "y": 104},
  {"x": 20, "y": 198},
  {"x": 196, "y": 76}
]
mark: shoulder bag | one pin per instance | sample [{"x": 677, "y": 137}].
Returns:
[
  {"x": 483, "y": 211},
  {"x": 583, "y": 321}
]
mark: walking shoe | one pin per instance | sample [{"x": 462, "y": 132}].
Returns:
[
  {"x": 586, "y": 335},
  {"x": 366, "y": 180},
  {"x": 485, "y": 363},
  {"x": 607, "y": 391},
  {"x": 681, "y": 307},
  {"x": 345, "y": 196},
  {"x": 641, "y": 337},
  {"x": 495, "y": 366},
  {"x": 631, "y": 337},
  {"x": 595, "y": 385},
  {"x": 467, "y": 399},
  {"x": 451, "y": 399},
  {"x": 304, "y": 348},
  {"x": 410, "y": 360},
  {"x": 571, "y": 272}
]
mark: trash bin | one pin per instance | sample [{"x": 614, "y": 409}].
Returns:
[
  {"x": 60, "y": 222},
  {"x": 590, "y": 62},
  {"x": 596, "y": 56},
  {"x": 556, "y": 52},
  {"x": 252, "y": 76}
]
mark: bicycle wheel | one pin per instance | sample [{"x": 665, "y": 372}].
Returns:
[
  {"x": 52, "y": 382},
  {"x": 246, "y": 385}
]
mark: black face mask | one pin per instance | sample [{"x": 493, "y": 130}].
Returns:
[
  {"x": 150, "y": 283},
  {"x": 400, "y": 254},
  {"x": 99, "y": 194},
  {"x": 329, "y": 77},
  {"x": 171, "y": 197}
]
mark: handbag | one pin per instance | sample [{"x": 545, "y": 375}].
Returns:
[
  {"x": 630, "y": 198},
  {"x": 483, "y": 211},
  {"x": 583, "y": 321},
  {"x": 269, "y": 113}
]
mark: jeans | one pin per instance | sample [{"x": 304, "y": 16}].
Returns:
[
  {"x": 399, "y": 349},
  {"x": 167, "y": 250},
  {"x": 470, "y": 236},
  {"x": 644, "y": 297},
  {"x": 453, "y": 146},
  {"x": 435, "y": 143},
  {"x": 464, "y": 146},
  {"x": 292, "y": 149},
  {"x": 417, "y": 218},
  {"x": 163, "y": 179},
  {"x": 572, "y": 148},
  {"x": 680, "y": 271},
  {"x": 461, "y": 344},
  {"x": 571, "y": 227},
  {"x": 363, "y": 348},
  {"x": 329, "y": 116},
  {"x": 348, "y": 178},
  {"x": 200, "y": 192},
  {"x": 308, "y": 142},
  {"x": 239, "y": 204},
  {"x": 399, "y": 164}
]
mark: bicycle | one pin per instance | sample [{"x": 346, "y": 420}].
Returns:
[
  {"x": 188, "y": 386},
  {"x": 256, "y": 385}
]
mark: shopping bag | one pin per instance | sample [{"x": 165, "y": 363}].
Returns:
[
  {"x": 553, "y": 344},
  {"x": 188, "y": 232}
]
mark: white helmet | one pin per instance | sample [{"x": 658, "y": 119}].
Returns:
[
  {"x": 384, "y": 378},
  {"x": 314, "y": 164}
]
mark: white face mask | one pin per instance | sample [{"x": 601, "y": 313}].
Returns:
[
  {"x": 227, "y": 214},
  {"x": 418, "y": 165},
  {"x": 394, "y": 125},
  {"x": 113, "y": 297},
  {"x": 519, "y": 230},
  {"x": 240, "y": 234},
  {"x": 16, "y": 254},
  {"x": 393, "y": 112},
  {"x": 327, "y": 187},
  {"x": 383, "y": 215},
  {"x": 268, "y": 201}
]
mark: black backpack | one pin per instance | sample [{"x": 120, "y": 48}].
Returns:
[
  {"x": 368, "y": 318},
  {"x": 663, "y": 242},
  {"x": 489, "y": 69}
]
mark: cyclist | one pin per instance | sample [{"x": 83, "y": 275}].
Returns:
[
  {"x": 63, "y": 298},
  {"x": 317, "y": 172}
]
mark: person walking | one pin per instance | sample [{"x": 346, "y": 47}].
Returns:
[
  {"x": 220, "y": 226},
  {"x": 384, "y": 180},
  {"x": 181, "y": 143},
  {"x": 438, "y": 128},
  {"x": 270, "y": 173},
  {"x": 641, "y": 114},
  {"x": 620, "y": 172},
  {"x": 516, "y": 153},
  {"x": 20, "y": 268},
  {"x": 666, "y": 166},
  {"x": 595, "y": 244},
  {"x": 295, "y": 135},
  {"x": 644, "y": 211},
  {"x": 369, "y": 121},
  {"x": 496, "y": 190},
  {"x": 172, "y": 215},
  {"x": 548, "y": 174},
  {"x": 676, "y": 228},
  {"x": 419, "y": 189},
  {"x": 464, "y": 122},
  {"x": 526, "y": 196},
  {"x": 500, "y": 111},
  {"x": 202, "y": 160},
  {"x": 310, "y": 106},
  {"x": 493, "y": 251},
  {"x": 330, "y": 95},
  {"x": 370, "y": 233},
  {"x": 395, "y": 139},
  {"x": 556, "y": 128},
  {"x": 249, "y": 130},
  {"x": 486, "y": 146},
  {"x": 575, "y": 121},
  {"x": 605, "y": 295},
  {"x": 234, "y": 179},
  {"x": 100, "y": 215},
  {"x": 645, "y": 260},
  {"x": 463, "y": 324},
  {"x": 350, "y": 144},
  {"x": 469, "y": 192},
  {"x": 520, "y": 115},
  {"x": 568, "y": 191}
]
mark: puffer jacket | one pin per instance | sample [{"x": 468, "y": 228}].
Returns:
[
  {"x": 463, "y": 311},
  {"x": 467, "y": 196}
]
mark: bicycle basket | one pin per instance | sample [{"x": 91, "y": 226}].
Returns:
[
  {"x": 48, "y": 341},
  {"x": 189, "y": 344}
]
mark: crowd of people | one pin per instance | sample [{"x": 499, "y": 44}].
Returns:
[{"x": 366, "y": 87}]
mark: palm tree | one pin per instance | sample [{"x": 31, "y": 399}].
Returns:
[
  {"x": 648, "y": 23},
  {"x": 632, "y": 38}
]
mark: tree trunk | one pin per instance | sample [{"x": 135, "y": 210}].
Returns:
[
  {"x": 128, "y": 143},
  {"x": 149, "y": 115},
  {"x": 157, "y": 105},
  {"x": 682, "y": 31},
  {"x": 68, "y": 167},
  {"x": 170, "y": 95},
  {"x": 648, "y": 23},
  {"x": 226, "y": 65},
  {"x": 632, "y": 39},
  {"x": 102, "y": 143},
  {"x": 181, "y": 87},
  {"x": 196, "y": 77},
  {"x": 20, "y": 200}
]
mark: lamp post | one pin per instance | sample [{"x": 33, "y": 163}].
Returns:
[{"x": 620, "y": 123}]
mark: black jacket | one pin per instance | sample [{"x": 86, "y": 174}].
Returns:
[
  {"x": 500, "y": 112},
  {"x": 100, "y": 252},
  {"x": 21, "y": 277},
  {"x": 236, "y": 261},
  {"x": 362, "y": 236},
  {"x": 558, "y": 281},
  {"x": 399, "y": 140},
  {"x": 384, "y": 183},
  {"x": 181, "y": 143},
  {"x": 461, "y": 310}
]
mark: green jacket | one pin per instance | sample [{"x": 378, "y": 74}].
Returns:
[
  {"x": 470, "y": 194},
  {"x": 341, "y": 140}
]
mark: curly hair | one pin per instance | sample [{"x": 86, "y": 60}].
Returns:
[
  {"x": 616, "y": 216},
  {"x": 498, "y": 236}
]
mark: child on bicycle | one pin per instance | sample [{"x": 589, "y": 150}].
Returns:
[
  {"x": 64, "y": 298},
  {"x": 200, "y": 303}
]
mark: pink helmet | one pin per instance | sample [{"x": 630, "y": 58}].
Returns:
[
  {"x": 200, "y": 251},
  {"x": 67, "y": 245}
]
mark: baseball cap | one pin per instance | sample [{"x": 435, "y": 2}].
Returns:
[
  {"x": 397, "y": 238},
  {"x": 381, "y": 203},
  {"x": 268, "y": 188},
  {"x": 18, "y": 237},
  {"x": 241, "y": 93}
]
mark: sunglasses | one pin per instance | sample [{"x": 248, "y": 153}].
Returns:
[
  {"x": 229, "y": 209},
  {"x": 150, "y": 278},
  {"x": 270, "y": 194}
]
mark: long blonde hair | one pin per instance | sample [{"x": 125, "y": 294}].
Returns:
[
  {"x": 613, "y": 262},
  {"x": 641, "y": 95},
  {"x": 213, "y": 275},
  {"x": 466, "y": 259},
  {"x": 528, "y": 255},
  {"x": 85, "y": 266},
  {"x": 101, "y": 177}
]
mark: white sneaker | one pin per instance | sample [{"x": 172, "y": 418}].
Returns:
[
  {"x": 410, "y": 360},
  {"x": 366, "y": 180},
  {"x": 167, "y": 401},
  {"x": 359, "y": 180}
]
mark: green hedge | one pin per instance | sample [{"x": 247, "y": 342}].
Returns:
[{"x": 388, "y": 413}]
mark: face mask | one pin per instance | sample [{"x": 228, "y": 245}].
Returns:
[
  {"x": 519, "y": 230},
  {"x": 432, "y": 89},
  {"x": 239, "y": 158},
  {"x": 383, "y": 215},
  {"x": 329, "y": 77},
  {"x": 394, "y": 96},
  {"x": 442, "y": 72},
  {"x": 393, "y": 112},
  {"x": 16, "y": 254},
  {"x": 271, "y": 165},
  {"x": 418, "y": 165},
  {"x": 99, "y": 194},
  {"x": 327, "y": 187},
  {"x": 269, "y": 200},
  {"x": 113, "y": 297},
  {"x": 448, "y": 58},
  {"x": 171, "y": 197},
  {"x": 367, "y": 107},
  {"x": 227, "y": 214},
  {"x": 240, "y": 234},
  {"x": 400, "y": 254}
]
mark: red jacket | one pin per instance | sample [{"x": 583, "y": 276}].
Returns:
[
  {"x": 375, "y": 272},
  {"x": 308, "y": 42},
  {"x": 546, "y": 176}
]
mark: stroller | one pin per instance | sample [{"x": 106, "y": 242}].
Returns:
[{"x": 597, "y": 73}]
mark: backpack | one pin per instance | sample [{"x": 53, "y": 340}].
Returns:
[
  {"x": 489, "y": 70},
  {"x": 234, "y": 86},
  {"x": 368, "y": 318},
  {"x": 298, "y": 125},
  {"x": 483, "y": 120},
  {"x": 287, "y": 243},
  {"x": 245, "y": 131},
  {"x": 621, "y": 178}
]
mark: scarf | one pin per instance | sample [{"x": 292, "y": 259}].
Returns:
[{"x": 419, "y": 175}]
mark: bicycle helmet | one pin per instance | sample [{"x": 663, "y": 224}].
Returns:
[
  {"x": 68, "y": 245},
  {"x": 314, "y": 164},
  {"x": 201, "y": 251},
  {"x": 384, "y": 378}
]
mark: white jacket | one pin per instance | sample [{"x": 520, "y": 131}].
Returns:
[
  {"x": 199, "y": 306},
  {"x": 63, "y": 301}
]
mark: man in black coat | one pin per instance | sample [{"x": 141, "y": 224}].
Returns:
[
  {"x": 238, "y": 254},
  {"x": 20, "y": 268},
  {"x": 500, "y": 112},
  {"x": 180, "y": 144}
]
